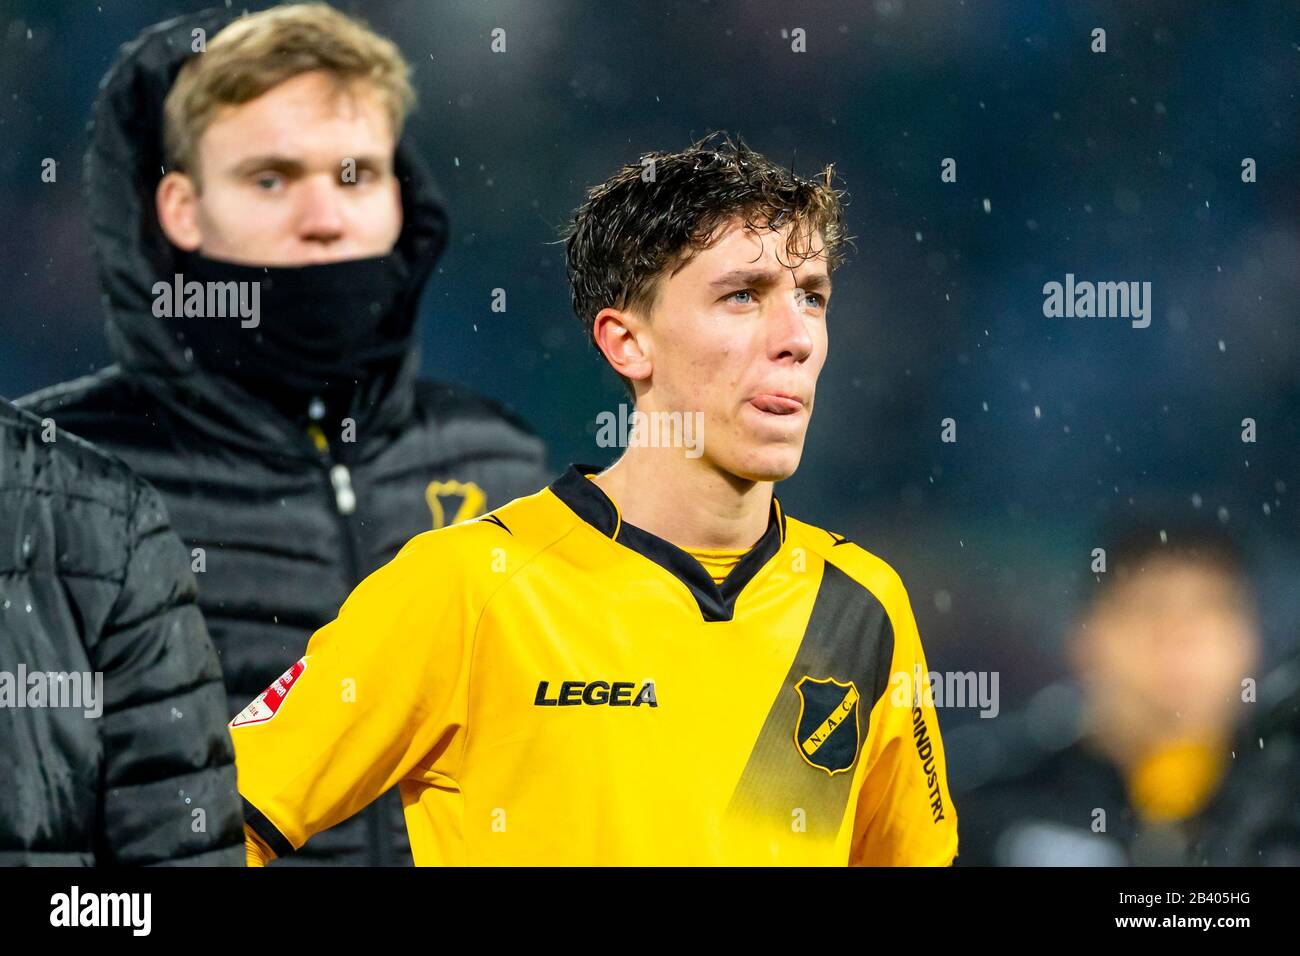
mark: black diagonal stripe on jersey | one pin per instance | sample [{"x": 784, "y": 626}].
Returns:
[{"x": 848, "y": 637}]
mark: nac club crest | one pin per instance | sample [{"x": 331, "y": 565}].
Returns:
[{"x": 826, "y": 734}]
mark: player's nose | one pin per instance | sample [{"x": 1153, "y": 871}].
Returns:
[{"x": 788, "y": 334}]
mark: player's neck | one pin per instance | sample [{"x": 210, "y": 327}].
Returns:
[{"x": 686, "y": 501}]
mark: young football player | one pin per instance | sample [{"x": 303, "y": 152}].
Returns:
[{"x": 650, "y": 663}]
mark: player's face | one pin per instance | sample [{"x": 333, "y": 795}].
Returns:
[
  {"x": 739, "y": 333},
  {"x": 303, "y": 174}
]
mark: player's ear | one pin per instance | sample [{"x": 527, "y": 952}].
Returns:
[
  {"x": 177, "y": 200},
  {"x": 622, "y": 338}
]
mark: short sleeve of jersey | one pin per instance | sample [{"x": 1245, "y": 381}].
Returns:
[
  {"x": 905, "y": 815},
  {"x": 380, "y": 690}
]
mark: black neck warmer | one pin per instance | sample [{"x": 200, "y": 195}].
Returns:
[{"x": 317, "y": 332}]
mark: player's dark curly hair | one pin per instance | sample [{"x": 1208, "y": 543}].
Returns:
[{"x": 651, "y": 218}]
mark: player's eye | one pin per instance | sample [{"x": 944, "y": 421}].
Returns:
[
  {"x": 268, "y": 181},
  {"x": 742, "y": 292},
  {"x": 818, "y": 301}
]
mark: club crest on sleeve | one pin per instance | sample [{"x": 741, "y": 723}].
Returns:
[
  {"x": 826, "y": 734},
  {"x": 267, "y": 704}
]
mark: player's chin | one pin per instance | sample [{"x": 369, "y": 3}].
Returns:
[{"x": 769, "y": 461}]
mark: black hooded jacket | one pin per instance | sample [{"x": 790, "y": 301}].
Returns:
[
  {"x": 135, "y": 765},
  {"x": 280, "y": 531}
]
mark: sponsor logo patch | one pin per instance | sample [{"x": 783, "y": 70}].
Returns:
[{"x": 267, "y": 704}]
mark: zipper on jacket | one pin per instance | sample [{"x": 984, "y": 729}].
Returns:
[
  {"x": 339, "y": 477},
  {"x": 345, "y": 505},
  {"x": 345, "y": 498}
]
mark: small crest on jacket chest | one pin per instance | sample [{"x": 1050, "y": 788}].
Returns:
[{"x": 452, "y": 502}]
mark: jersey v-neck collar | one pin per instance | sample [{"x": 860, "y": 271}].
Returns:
[{"x": 717, "y": 602}]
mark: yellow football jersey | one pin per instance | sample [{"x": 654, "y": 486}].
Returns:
[{"x": 550, "y": 685}]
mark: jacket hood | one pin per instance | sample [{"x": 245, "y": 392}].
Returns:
[{"x": 123, "y": 167}]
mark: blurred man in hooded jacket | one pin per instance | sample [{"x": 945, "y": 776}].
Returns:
[{"x": 263, "y": 232}]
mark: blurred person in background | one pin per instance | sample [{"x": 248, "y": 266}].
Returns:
[
  {"x": 1164, "y": 759},
  {"x": 287, "y": 431},
  {"x": 113, "y": 742}
]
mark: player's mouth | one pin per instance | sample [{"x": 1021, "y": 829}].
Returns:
[{"x": 777, "y": 403}]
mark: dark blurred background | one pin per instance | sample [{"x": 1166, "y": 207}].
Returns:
[{"x": 1116, "y": 166}]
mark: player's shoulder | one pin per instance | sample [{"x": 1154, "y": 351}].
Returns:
[{"x": 862, "y": 566}]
